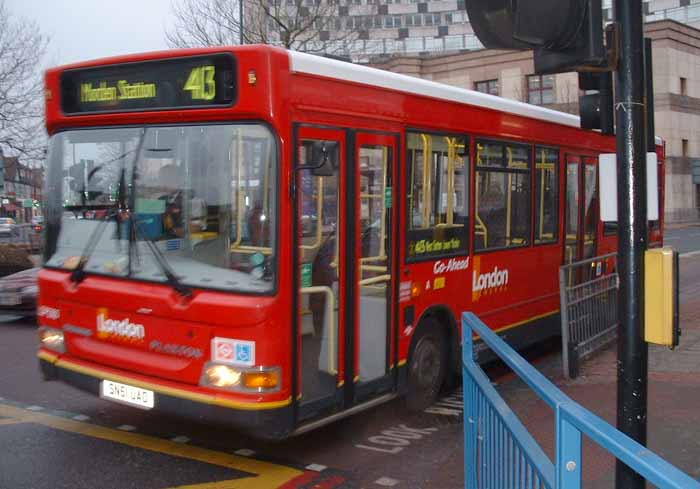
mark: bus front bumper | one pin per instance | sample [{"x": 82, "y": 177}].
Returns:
[{"x": 260, "y": 421}]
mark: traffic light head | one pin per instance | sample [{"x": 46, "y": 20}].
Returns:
[
  {"x": 597, "y": 109},
  {"x": 565, "y": 34}
]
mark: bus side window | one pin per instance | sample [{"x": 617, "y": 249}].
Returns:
[
  {"x": 546, "y": 195},
  {"x": 503, "y": 189},
  {"x": 438, "y": 195}
]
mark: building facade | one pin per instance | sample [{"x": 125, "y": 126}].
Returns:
[
  {"x": 370, "y": 28},
  {"x": 676, "y": 68},
  {"x": 22, "y": 192}
]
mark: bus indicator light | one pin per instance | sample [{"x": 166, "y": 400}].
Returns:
[
  {"x": 416, "y": 290},
  {"x": 262, "y": 380}
]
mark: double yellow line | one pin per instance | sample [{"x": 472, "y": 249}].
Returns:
[{"x": 260, "y": 475}]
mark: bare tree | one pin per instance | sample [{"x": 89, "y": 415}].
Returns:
[
  {"x": 21, "y": 86},
  {"x": 312, "y": 27}
]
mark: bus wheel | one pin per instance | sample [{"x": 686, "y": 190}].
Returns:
[{"x": 427, "y": 366}]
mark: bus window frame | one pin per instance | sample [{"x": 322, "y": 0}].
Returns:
[
  {"x": 466, "y": 233},
  {"x": 556, "y": 241},
  {"x": 274, "y": 290},
  {"x": 506, "y": 170}
]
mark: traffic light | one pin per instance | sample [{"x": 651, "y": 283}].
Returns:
[
  {"x": 597, "y": 109},
  {"x": 566, "y": 35}
]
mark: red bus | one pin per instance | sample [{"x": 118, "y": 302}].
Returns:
[{"x": 274, "y": 240}]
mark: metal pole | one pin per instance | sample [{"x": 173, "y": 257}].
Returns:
[
  {"x": 632, "y": 235},
  {"x": 649, "y": 87},
  {"x": 240, "y": 20}
]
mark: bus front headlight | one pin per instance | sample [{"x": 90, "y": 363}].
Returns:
[
  {"x": 255, "y": 379},
  {"x": 221, "y": 376},
  {"x": 52, "y": 339}
]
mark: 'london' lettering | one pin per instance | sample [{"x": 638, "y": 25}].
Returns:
[
  {"x": 490, "y": 280},
  {"x": 123, "y": 328}
]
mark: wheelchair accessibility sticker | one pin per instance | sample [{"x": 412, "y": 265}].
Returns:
[{"x": 233, "y": 352}]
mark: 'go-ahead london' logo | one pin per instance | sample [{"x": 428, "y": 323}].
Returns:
[
  {"x": 118, "y": 329},
  {"x": 492, "y": 281}
]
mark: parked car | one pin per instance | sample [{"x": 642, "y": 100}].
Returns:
[
  {"x": 18, "y": 292},
  {"x": 7, "y": 226}
]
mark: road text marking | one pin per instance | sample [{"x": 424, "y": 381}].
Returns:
[{"x": 394, "y": 440}]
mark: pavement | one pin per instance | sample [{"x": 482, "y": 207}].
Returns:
[
  {"x": 673, "y": 394},
  {"x": 685, "y": 238}
]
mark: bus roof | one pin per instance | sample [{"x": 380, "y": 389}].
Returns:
[{"x": 331, "y": 68}]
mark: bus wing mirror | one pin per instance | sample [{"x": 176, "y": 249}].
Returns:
[{"x": 321, "y": 161}]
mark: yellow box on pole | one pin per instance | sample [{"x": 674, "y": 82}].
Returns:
[{"x": 661, "y": 297}]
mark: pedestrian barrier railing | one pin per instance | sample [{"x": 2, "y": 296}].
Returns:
[
  {"x": 499, "y": 451},
  {"x": 588, "y": 296}
]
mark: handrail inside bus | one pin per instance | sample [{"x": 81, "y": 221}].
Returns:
[
  {"x": 381, "y": 197},
  {"x": 374, "y": 280},
  {"x": 427, "y": 179},
  {"x": 330, "y": 315}
]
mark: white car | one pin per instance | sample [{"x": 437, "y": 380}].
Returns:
[{"x": 7, "y": 226}]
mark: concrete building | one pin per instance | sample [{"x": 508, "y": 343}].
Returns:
[
  {"x": 389, "y": 27},
  {"x": 676, "y": 69}
]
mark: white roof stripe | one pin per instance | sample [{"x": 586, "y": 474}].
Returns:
[{"x": 331, "y": 68}]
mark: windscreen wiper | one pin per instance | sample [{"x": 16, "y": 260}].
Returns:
[
  {"x": 78, "y": 274},
  {"x": 162, "y": 261}
]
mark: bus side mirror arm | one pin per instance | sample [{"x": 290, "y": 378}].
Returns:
[{"x": 321, "y": 165}]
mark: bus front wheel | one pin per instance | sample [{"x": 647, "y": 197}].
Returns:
[{"x": 427, "y": 366}]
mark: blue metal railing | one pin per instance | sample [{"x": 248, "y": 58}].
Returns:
[{"x": 499, "y": 451}]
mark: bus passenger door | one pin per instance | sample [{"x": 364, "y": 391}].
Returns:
[
  {"x": 581, "y": 218},
  {"x": 321, "y": 275},
  {"x": 375, "y": 164},
  {"x": 590, "y": 208},
  {"x": 572, "y": 219}
]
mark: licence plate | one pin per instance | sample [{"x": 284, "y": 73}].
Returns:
[
  {"x": 10, "y": 299},
  {"x": 127, "y": 394}
]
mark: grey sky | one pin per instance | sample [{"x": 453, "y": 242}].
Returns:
[{"x": 86, "y": 29}]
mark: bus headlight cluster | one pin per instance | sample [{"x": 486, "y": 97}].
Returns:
[
  {"x": 52, "y": 339},
  {"x": 256, "y": 379}
]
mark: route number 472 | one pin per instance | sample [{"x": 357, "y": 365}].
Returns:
[{"x": 201, "y": 83}]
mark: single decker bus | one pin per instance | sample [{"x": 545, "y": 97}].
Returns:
[{"x": 272, "y": 240}]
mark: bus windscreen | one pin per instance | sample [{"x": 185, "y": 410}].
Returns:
[{"x": 191, "y": 82}]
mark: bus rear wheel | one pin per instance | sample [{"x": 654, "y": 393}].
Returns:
[{"x": 427, "y": 366}]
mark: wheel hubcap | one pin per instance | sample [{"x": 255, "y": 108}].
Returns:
[{"x": 426, "y": 365}]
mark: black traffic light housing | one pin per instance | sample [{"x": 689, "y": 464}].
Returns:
[
  {"x": 597, "y": 109},
  {"x": 566, "y": 35}
]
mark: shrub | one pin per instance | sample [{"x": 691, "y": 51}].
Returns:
[{"x": 13, "y": 259}]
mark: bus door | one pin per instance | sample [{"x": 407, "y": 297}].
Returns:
[
  {"x": 321, "y": 270},
  {"x": 374, "y": 284},
  {"x": 581, "y": 218}
]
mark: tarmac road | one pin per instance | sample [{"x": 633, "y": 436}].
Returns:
[{"x": 53, "y": 436}]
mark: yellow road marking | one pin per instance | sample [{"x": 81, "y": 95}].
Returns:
[
  {"x": 5, "y": 422},
  {"x": 266, "y": 475}
]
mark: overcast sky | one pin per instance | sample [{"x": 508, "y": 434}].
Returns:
[{"x": 88, "y": 29}]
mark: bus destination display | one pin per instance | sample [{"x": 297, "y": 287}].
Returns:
[{"x": 198, "y": 81}]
